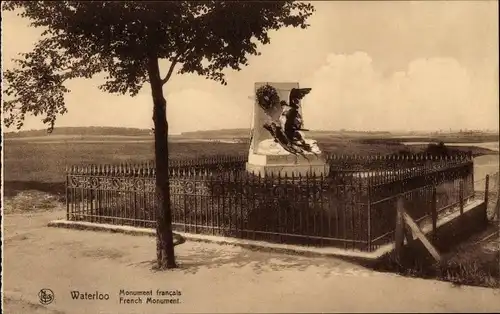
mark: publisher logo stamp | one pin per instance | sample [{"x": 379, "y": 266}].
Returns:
[{"x": 46, "y": 296}]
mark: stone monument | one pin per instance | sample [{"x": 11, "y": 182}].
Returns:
[{"x": 278, "y": 145}]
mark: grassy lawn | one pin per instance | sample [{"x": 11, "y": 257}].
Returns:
[
  {"x": 39, "y": 163},
  {"x": 47, "y": 162},
  {"x": 450, "y": 138},
  {"x": 44, "y": 160},
  {"x": 475, "y": 261}
]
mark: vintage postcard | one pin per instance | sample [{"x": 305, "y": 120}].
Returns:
[{"x": 250, "y": 157}]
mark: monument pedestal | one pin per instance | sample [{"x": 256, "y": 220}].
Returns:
[{"x": 281, "y": 165}]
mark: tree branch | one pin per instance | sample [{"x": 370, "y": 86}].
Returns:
[
  {"x": 174, "y": 63},
  {"x": 170, "y": 71}
]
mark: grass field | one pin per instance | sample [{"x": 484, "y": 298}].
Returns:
[
  {"x": 450, "y": 138},
  {"x": 36, "y": 161},
  {"x": 44, "y": 159},
  {"x": 39, "y": 162}
]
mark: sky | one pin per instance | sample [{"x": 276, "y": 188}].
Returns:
[{"x": 389, "y": 65}]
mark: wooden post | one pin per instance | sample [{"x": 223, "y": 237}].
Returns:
[
  {"x": 369, "y": 211},
  {"x": 486, "y": 197},
  {"x": 486, "y": 188},
  {"x": 497, "y": 207},
  {"x": 471, "y": 167},
  {"x": 400, "y": 226},
  {"x": 412, "y": 225},
  {"x": 434, "y": 212},
  {"x": 403, "y": 222},
  {"x": 461, "y": 196}
]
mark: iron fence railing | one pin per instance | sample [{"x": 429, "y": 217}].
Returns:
[{"x": 351, "y": 208}]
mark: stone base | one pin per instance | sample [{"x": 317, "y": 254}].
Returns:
[{"x": 281, "y": 165}]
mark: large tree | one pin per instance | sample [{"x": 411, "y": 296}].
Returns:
[{"x": 126, "y": 40}]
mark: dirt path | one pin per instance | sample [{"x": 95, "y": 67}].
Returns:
[{"x": 212, "y": 278}]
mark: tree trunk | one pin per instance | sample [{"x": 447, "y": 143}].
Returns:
[{"x": 164, "y": 236}]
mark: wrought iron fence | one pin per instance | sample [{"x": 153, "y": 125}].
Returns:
[{"x": 350, "y": 209}]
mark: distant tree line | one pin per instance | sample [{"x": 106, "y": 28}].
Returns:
[
  {"x": 82, "y": 131},
  {"x": 434, "y": 149}
]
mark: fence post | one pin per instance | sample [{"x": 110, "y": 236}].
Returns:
[
  {"x": 400, "y": 226},
  {"x": 497, "y": 207},
  {"x": 92, "y": 207},
  {"x": 471, "y": 167},
  {"x": 461, "y": 196},
  {"x": 486, "y": 197},
  {"x": 369, "y": 209},
  {"x": 67, "y": 194},
  {"x": 434, "y": 212},
  {"x": 486, "y": 188}
]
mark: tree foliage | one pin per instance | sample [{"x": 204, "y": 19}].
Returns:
[
  {"x": 84, "y": 38},
  {"x": 126, "y": 40}
]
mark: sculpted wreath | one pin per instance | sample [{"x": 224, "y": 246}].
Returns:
[{"x": 267, "y": 97}]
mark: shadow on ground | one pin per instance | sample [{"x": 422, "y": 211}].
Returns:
[
  {"x": 209, "y": 256},
  {"x": 12, "y": 188}
]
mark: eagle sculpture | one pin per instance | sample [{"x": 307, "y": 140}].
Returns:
[
  {"x": 287, "y": 131},
  {"x": 280, "y": 137}
]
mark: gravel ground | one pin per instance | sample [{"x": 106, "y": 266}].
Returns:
[{"x": 211, "y": 278}]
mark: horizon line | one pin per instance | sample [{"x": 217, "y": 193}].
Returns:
[{"x": 247, "y": 128}]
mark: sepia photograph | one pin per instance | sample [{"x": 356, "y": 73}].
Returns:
[{"x": 250, "y": 157}]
